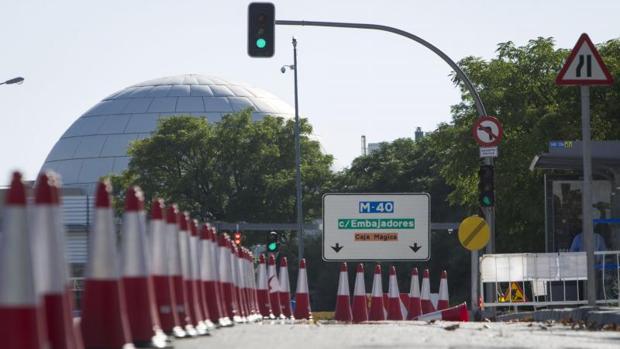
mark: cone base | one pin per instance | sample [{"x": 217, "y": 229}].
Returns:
[
  {"x": 104, "y": 323},
  {"x": 22, "y": 327},
  {"x": 377, "y": 311},
  {"x": 360, "y": 309},
  {"x": 141, "y": 313},
  {"x": 60, "y": 329},
  {"x": 165, "y": 304},
  {"x": 302, "y": 306},
  {"x": 343, "y": 309}
]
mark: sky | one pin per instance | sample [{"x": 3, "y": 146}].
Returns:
[{"x": 352, "y": 82}]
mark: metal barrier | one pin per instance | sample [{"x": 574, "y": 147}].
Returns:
[{"x": 547, "y": 279}]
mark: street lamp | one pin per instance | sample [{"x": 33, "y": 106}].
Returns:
[
  {"x": 300, "y": 217},
  {"x": 18, "y": 80}
]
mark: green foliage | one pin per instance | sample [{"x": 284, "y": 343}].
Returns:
[
  {"x": 518, "y": 87},
  {"x": 234, "y": 170}
]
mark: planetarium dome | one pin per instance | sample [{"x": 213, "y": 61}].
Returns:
[{"x": 96, "y": 144}]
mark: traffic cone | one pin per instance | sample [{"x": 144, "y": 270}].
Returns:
[
  {"x": 302, "y": 294},
  {"x": 224, "y": 320},
  {"x": 175, "y": 267},
  {"x": 22, "y": 322},
  {"x": 50, "y": 265},
  {"x": 456, "y": 313},
  {"x": 236, "y": 299},
  {"x": 165, "y": 301},
  {"x": 394, "y": 311},
  {"x": 241, "y": 286},
  {"x": 377, "y": 309},
  {"x": 207, "y": 276},
  {"x": 415, "y": 306},
  {"x": 285, "y": 288},
  {"x": 226, "y": 277},
  {"x": 191, "y": 276},
  {"x": 444, "y": 298},
  {"x": 343, "y": 305},
  {"x": 264, "y": 304},
  {"x": 425, "y": 298},
  {"x": 185, "y": 288},
  {"x": 360, "y": 304},
  {"x": 273, "y": 285},
  {"x": 250, "y": 272},
  {"x": 246, "y": 263},
  {"x": 104, "y": 313},
  {"x": 137, "y": 283}
]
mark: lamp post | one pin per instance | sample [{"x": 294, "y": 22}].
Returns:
[
  {"x": 18, "y": 80},
  {"x": 300, "y": 218}
]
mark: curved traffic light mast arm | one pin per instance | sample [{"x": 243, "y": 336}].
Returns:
[{"x": 460, "y": 74}]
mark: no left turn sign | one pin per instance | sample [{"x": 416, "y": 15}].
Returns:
[{"x": 487, "y": 131}]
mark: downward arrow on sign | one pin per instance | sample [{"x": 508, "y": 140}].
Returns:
[
  {"x": 415, "y": 247},
  {"x": 337, "y": 247}
]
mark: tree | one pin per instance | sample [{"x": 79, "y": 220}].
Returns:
[
  {"x": 518, "y": 87},
  {"x": 237, "y": 169}
]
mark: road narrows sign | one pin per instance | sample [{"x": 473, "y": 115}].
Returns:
[
  {"x": 584, "y": 66},
  {"x": 474, "y": 233},
  {"x": 487, "y": 131},
  {"x": 376, "y": 227}
]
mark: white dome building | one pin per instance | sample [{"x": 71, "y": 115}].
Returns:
[{"x": 96, "y": 144}]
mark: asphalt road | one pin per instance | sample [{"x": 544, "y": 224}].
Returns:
[{"x": 404, "y": 335}]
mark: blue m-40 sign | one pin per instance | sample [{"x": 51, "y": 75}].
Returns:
[{"x": 376, "y": 206}]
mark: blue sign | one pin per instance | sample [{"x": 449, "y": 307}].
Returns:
[{"x": 376, "y": 206}]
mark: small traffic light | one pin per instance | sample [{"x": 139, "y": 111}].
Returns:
[
  {"x": 261, "y": 29},
  {"x": 274, "y": 242},
  {"x": 237, "y": 238},
  {"x": 486, "y": 186}
]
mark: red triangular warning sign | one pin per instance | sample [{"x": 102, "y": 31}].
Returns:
[{"x": 584, "y": 66}]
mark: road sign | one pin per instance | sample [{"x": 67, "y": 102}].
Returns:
[
  {"x": 474, "y": 233},
  {"x": 376, "y": 227},
  {"x": 584, "y": 66},
  {"x": 487, "y": 131},
  {"x": 488, "y": 152}
]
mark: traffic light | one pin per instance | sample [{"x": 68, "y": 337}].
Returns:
[
  {"x": 486, "y": 186},
  {"x": 261, "y": 29},
  {"x": 274, "y": 242},
  {"x": 237, "y": 238}
]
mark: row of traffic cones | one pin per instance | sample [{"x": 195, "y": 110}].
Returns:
[
  {"x": 174, "y": 278},
  {"x": 418, "y": 305}
]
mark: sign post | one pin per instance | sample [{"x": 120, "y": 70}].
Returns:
[
  {"x": 376, "y": 227},
  {"x": 584, "y": 67}
]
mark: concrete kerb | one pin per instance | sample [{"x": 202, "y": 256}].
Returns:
[{"x": 593, "y": 317}]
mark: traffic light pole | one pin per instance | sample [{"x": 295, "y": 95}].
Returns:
[
  {"x": 300, "y": 213},
  {"x": 489, "y": 212}
]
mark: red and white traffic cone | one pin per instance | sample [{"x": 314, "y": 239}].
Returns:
[
  {"x": 285, "y": 288},
  {"x": 302, "y": 294},
  {"x": 444, "y": 298},
  {"x": 137, "y": 283},
  {"x": 377, "y": 308},
  {"x": 425, "y": 298},
  {"x": 415, "y": 305},
  {"x": 236, "y": 297},
  {"x": 456, "y": 313},
  {"x": 360, "y": 303},
  {"x": 104, "y": 312},
  {"x": 264, "y": 304},
  {"x": 165, "y": 302},
  {"x": 216, "y": 252},
  {"x": 250, "y": 272},
  {"x": 241, "y": 286},
  {"x": 191, "y": 281},
  {"x": 225, "y": 278},
  {"x": 273, "y": 285},
  {"x": 394, "y": 311},
  {"x": 175, "y": 267},
  {"x": 207, "y": 276},
  {"x": 191, "y": 323},
  {"x": 50, "y": 264},
  {"x": 343, "y": 304},
  {"x": 22, "y": 322}
]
